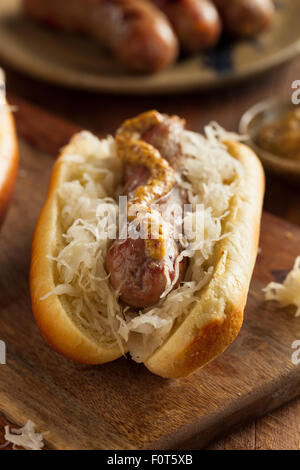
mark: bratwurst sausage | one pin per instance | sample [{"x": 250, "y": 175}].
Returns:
[
  {"x": 196, "y": 22},
  {"x": 142, "y": 269},
  {"x": 246, "y": 18},
  {"x": 135, "y": 31}
]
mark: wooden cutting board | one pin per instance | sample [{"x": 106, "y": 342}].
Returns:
[{"x": 122, "y": 405}]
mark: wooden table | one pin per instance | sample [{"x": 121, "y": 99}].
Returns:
[{"x": 103, "y": 113}]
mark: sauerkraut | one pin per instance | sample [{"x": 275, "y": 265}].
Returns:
[{"x": 88, "y": 209}]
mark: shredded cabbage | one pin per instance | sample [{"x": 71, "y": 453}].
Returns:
[{"x": 87, "y": 211}]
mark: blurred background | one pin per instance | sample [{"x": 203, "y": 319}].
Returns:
[{"x": 70, "y": 67}]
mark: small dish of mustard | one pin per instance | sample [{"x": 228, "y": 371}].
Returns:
[{"x": 273, "y": 131}]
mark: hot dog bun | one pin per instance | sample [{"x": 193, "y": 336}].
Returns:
[
  {"x": 205, "y": 328},
  {"x": 9, "y": 155},
  {"x": 196, "y": 22}
]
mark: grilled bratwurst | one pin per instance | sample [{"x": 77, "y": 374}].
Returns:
[{"x": 135, "y": 31}]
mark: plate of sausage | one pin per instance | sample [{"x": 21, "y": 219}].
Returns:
[{"x": 147, "y": 46}]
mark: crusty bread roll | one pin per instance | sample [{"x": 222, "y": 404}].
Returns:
[
  {"x": 208, "y": 322},
  {"x": 9, "y": 156}
]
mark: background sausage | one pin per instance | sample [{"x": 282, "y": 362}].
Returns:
[
  {"x": 137, "y": 33},
  {"x": 246, "y": 18},
  {"x": 196, "y": 22},
  {"x": 140, "y": 279}
]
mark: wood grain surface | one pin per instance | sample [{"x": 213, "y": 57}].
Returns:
[{"x": 102, "y": 113}]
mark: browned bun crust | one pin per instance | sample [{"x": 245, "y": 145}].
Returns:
[
  {"x": 9, "y": 155},
  {"x": 210, "y": 327},
  {"x": 216, "y": 320}
]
